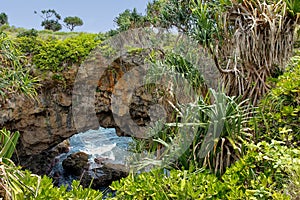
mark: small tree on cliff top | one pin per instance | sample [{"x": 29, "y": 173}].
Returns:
[
  {"x": 3, "y": 19},
  {"x": 51, "y": 20},
  {"x": 130, "y": 20},
  {"x": 72, "y": 22}
]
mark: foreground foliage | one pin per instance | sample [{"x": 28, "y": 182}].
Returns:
[
  {"x": 261, "y": 170},
  {"x": 280, "y": 109},
  {"x": 269, "y": 169},
  {"x": 18, "y": 184},
  {"x": 263, "y": 173}
]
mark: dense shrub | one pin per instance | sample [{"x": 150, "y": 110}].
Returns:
[
  {"x": 20, "y": 185},
  {"x": 43, "y": 188},
  {"x": 27, "y": 45},
  {"x": 55, "y": 54},
  {"x": 279, "y": 116},
  {"x": 262, "y": 174},
  {"x": 28, "y": 33},
  {"x": 177, "y": 185}
]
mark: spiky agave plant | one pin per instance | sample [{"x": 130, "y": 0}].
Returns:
[
  {"x": 206, "y": 132},
  {"x": 223, "y": 140}
]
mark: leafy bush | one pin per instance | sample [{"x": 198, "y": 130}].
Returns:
[
  {"x": 28, "y": 33},
  {"x": 57, "y": 55},
  {"x": 28, "y": 45},
  {"x": 279, "y": 116},
  {"x": 177, "y": 185},
  {"x": 43, "y": 188},
  {"x": 24, "y": 185},
  {"x": 4, "y": 27},
  {"x": 293, "y": 188},
  {"x": 263, "y": 173}
]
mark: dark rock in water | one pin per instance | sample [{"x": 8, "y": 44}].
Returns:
[
  {"x": 115, "y": 166},
  {"x": 99, "y": 160},
  {"x": 76, "y": 163},
  {"x": 63, "y": 147},
  {"x": 105, "y": 175}
]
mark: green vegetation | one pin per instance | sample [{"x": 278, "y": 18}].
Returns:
[
  {"x": 18, "y": 184},
  {"x": 72, "y": 22},
  {"x": 263, "y": 173},
  {"x": 257, "y": 152},
  {"x": 3, "y": 19},
  {"x": 130, "y": 20},
  {"x": 280, "y": 109},
  {"x": 50, "y": 20},
  {"x": 17, "y": 52},
  {"x": 14, "y": 77},
  {"x": 222, "y": 26},
  {"x": 28, "y": 33},
  {"x": 58, "y": 55},
  {"x": 266, "y": 168},
  {"x": 252, "y": 150}
]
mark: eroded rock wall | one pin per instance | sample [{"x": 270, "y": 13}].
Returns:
[{"x": 48, "y": 120}]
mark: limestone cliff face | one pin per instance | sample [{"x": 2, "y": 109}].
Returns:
[
  {"x": 43, "y": 122},
  {"x": 48, "y": 120}
]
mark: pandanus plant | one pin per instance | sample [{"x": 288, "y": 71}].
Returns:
[
  {"x": 259, "y": 37},
  {"x": 249, "y": 40}
]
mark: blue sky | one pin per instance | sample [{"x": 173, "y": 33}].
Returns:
[{"x": 97, "y": 15}]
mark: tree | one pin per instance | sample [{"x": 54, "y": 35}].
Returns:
[
  {"x": 130, "y": 20},
  {"x": 50, "y": 20},
  {"x": 3, "y": 19},
  {"x": 248, "y": 40},
  {"x": 72, "y": 22},
  {"x": 52, "y": 25}
]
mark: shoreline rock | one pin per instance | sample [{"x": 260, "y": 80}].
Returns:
[
  {"x": 103, "y": 176},
  {"x": 76, "y": 163}
]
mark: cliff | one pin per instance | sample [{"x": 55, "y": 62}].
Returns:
[{"x": 49, "y": 119}]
